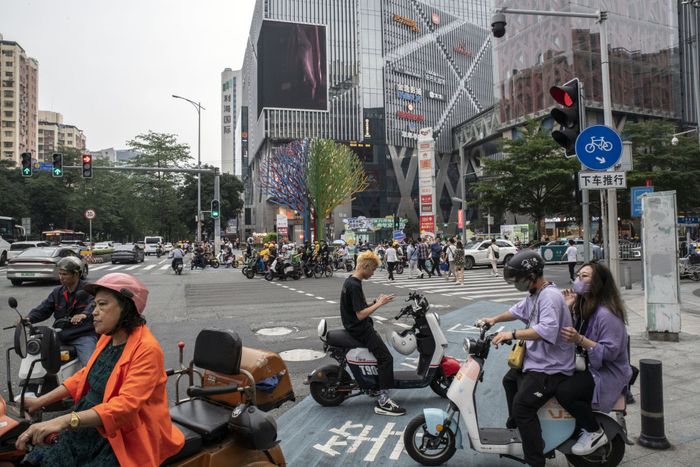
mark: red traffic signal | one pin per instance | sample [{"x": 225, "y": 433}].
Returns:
[
  {"x": 87, "y": 165},
  {"x": 570, "y": 117}
]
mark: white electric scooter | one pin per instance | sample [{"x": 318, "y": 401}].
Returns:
[{"x": 433, "y": 437}]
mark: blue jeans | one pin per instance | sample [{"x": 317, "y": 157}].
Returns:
[{"x": 84, "y": 347}]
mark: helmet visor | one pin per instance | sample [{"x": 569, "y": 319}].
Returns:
[{"x": 508, "y": 275}]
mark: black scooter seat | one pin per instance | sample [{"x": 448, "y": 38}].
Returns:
[{"x": 342, "y": 338}]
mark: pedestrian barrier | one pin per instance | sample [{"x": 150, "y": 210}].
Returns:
[{"x": 652, "y": 405}]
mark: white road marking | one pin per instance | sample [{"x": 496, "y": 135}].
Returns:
[
  {"x": 309, "y": 295},
  {"x": 132, "y": 267},
  {"x": 97, "y": 268},
  {"x": 151, "y": 266},
  {"x": 167, "y": 266},
  {"x": 319, "y": 298},
  {"x": 114, "y": 268},
  {"x": 331, "y": 301}
]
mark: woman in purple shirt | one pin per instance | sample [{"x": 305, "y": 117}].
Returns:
[{"x": 599, "y": 332}]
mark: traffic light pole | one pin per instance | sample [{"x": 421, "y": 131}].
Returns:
[
  {"x": 612, "y": 248},
  {"x": 217, "y": 219}
]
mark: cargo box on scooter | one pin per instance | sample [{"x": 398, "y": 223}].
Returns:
[{"x": 273, "y": 385}]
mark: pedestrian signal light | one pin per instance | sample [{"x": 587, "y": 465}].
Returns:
[
  {"x": 87, "y": 165},
  {"x": 570, "y": 117},
  {"x": 26, "y": 164},
  {"x": 215, "y": 211},
  {"x": 57, "y": 169}
]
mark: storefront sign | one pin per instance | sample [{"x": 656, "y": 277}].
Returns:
[
  {"x": 436, "y": 96},
  {"x": 363, "y": 224},
  {"x": 409, "y": 134},
  {"x": 426, "y": 179},
  {"x": 461, "y": 49},
  {"x": 409, "y": 93},
  {"x": 410, "y": 116},
  {"x": 434, "y": 77},
  {"x": 427, "y": 223},
  {"x": 407, "y": 72},
  {"x": 410, "y": 23}
]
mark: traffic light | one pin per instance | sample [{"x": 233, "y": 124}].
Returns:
[
  {"x": 397, "y": 223},
  {"x": 570, "y": 117},
  {"x": 87, "y": 165},
  {"x": 57, "y": 169},
  {"x": 215, "y": 211},
  {"x": 26, "y": 164}
]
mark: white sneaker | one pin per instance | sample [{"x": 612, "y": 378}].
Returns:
[{"x": 589, "y": 442}]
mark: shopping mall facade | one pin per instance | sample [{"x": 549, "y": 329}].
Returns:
[{"x": 371, "y": 74}]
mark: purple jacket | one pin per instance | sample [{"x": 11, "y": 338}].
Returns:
[{"x": 607, "y": 361}]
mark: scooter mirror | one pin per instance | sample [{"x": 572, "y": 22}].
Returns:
[
  {"x": 50, "y": 351},
  {"x": 12, "y": 301},
  {"x": 20, "y": 339}
]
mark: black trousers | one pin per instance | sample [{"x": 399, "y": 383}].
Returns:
[
  {"x": 572, "y": 266},
  {"x": 436, "y": 265},
  {"x": 385, "y": 362},
  {"x": 390, "y": 265},
  {"x": 421, "y": 267},
  {"x": 526, "y": 393},
  {"x": 575, "y": 395}
]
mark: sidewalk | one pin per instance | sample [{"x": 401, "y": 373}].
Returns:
[{"x": 681, "y": 381}]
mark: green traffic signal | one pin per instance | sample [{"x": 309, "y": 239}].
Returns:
[
  {"x": 26, "y": 164},
  {"x": 215, "y": 212},
  {"x": 57, "y": 170},
  {"x": 27, "y": 171}
]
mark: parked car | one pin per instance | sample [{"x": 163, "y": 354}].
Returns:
[
  {"x": 128, "y": 253},
  {"x": 596, "y": 251},
  {"x": 476, "y": 253},
  {"x": 75, "y": 245},
  {"x": 102, "y": 246},
  {"x": 18, "y": 247},
  {"x": 168, "y": 247},
  {"x": 40, "y": 263}
]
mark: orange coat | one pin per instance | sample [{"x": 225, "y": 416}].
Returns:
[{"x": 134, "y": 410}]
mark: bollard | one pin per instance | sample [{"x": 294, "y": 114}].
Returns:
[
  {"x": 652, "y": 405},
  {"x": 627, "y": 274}
]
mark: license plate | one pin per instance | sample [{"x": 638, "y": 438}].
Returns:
[{"x": 27, "y": 274}]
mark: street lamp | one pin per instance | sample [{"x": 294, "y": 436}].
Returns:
[
  {"x": 674, "y": 139},
  {"x": 199, "y": 108}
]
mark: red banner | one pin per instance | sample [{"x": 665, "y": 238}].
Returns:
[{"x": 427, "y": 223}]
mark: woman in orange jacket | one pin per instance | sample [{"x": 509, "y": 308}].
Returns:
[{"x": 121, "y": 415}]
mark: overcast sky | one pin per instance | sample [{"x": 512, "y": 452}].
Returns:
[{"x": 110, "y": 67}]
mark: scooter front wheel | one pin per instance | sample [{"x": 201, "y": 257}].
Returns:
[
  {"x": 609, "y": 455},
  {"x": 268, "y": 276},
  {"x": 425, "y": 448}
]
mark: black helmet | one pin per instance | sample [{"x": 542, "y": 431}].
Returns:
[
  {"x": 526, "y": 264},
  {"x": 70, "y": 264}
]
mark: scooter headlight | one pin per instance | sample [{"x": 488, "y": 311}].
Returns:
[
  {"x": 466, "y": 345},
  {"x": 33, "y": 347}
]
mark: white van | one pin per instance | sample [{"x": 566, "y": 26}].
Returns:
[{"x": 150, "y": 244}]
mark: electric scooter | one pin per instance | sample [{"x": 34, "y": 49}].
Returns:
[
  {"x": 433, "y": 437},
  {"x": 330, "y": 385},
  {"x": 44, "y": 366}
]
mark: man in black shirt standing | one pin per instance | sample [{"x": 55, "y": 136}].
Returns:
[{"x": 355, "y": 314}]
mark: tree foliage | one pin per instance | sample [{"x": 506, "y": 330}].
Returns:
[
  {"x": 668, "y": 167},
  {"x": 335, "y": 174},
  {"x": 129, "y": 205},
  {"x": 534, "y": 178}
]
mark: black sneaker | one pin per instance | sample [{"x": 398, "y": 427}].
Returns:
[{"x": 389, "y": 407}]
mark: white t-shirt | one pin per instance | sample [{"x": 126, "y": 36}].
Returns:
[
  {"x": 571, "y": 254},
  {"x": 391, "y": 255},
  {"x": 451, "y": 252}
]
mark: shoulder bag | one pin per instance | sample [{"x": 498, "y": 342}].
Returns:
[
  {"x": 495, "y": 253},
  {"x": 516, "y": 357}
]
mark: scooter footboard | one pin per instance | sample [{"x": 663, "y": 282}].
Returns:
[
  {"x": 610, "y": 426},
  {"x": 435, "y": 417}
]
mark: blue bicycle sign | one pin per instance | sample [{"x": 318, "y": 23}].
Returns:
[{"x": 598, "y": 147}]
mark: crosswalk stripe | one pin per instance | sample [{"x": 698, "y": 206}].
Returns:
[
  {"x": 114, "y": 268},
  {"x": 512, "y": 294},
  {"x": 151, "y": 266},
  {"x": 132, "y": 267},
  {"x": 163, "y": 268},
  {"x": 97, "y": 268}
]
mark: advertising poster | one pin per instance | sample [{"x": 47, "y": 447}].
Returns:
[{"x": 426, "y": 179}]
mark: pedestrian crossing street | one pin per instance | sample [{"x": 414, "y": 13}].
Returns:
[{"x": 479, "y": 284}]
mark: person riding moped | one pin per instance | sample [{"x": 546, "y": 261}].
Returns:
[
  {"x": 355, "y": 314},
  {"x": 178, "y": 256},
  {"x": 121, "y": 415},
  {"x": 65, "y": 302},
  {"x": 549, "y": 357},
  {"x": 284, "y": 258}
]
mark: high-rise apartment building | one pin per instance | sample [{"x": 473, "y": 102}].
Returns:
[
  {"x": 54, "y": 134},
  {"x": 19, "y": 75},
  {"x": 231, "y": 90}
]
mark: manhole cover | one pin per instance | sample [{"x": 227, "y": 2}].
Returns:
[
  {"x": 277, "y": 331},
  {"x": 301, "y": 355}
]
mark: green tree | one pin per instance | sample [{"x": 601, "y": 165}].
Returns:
[
  {"x": 158, "y": 191},
  {"x": 669, "y": 167},
  {"x": 230, "y": 195},
  {"x": 334, "y": 174},
  {"x": 534, "y": 178}
]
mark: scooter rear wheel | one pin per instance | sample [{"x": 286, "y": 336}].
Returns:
[
  {"x": 249, "y": 273},
  {"x": 609, "y": 455},
  {"x": 428, "y": 449},
  {"x": 399, "y": 268},
  {"x": 325, "y": 393},
  {"x": 268, "y": 276}
]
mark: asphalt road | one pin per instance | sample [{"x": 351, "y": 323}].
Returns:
[{"x": 283, "y": 317}]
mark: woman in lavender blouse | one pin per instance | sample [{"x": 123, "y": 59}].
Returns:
[{"x": 599, "y": 331}]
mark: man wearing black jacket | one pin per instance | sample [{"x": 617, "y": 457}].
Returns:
[{"x": 65, "y": 301}]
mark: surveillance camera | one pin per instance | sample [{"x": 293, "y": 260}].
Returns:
[
  {"x": 498, "y": 25},
  {"x": 674, "y": 141}
]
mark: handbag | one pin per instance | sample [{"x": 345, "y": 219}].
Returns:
[
  {"x": 581, "y": 360},
  {"x": 495, "y": 253},
  {"x": 516, "y": 356}
]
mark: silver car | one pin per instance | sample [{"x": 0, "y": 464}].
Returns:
[
  {"x": 18, "y": 247},
  {"x": 40, "y": 264}
]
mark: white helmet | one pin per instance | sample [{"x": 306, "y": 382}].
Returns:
[{"x": 404, "y": 342}]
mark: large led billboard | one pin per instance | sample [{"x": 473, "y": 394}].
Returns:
[{"x": 292, "y": 71}]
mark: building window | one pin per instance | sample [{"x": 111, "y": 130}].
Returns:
[
  {"x": 7, "y": 53},
  {"x": 7, "y": 144},
  {"x": 7, "y": 113},
  {"x": 8, "y": 93},
  {"x": 8, "y": 134},
  {"x": 8, "y": 74},
  {"x": 8, "y": 63}
]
